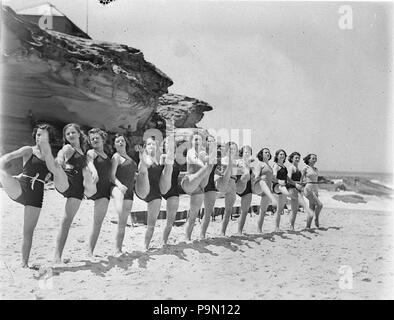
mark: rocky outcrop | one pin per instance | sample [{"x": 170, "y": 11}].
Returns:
[
  {"x": 182, "y": 111},
  {"x": 58, "y": 78}
]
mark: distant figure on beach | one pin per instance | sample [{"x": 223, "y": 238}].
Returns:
[
  {"x": 262, "y": 184},
  {"x": 159, "y": 182},
  {"x": 71, "y": 178},
  {"x": 296, "y": 189},
  {"x": 172, "y": 195},
  {"x": 310, "y": 175},
  {"x": 244, "y": 184},
  {"x": 280, "y": 184},
  {"x": 28, "y": 187},
  {"x": 123, "y": 172}
]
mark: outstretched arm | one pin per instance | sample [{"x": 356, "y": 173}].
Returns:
[{"x": 23, "y": 152}]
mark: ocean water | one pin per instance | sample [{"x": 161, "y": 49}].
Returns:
[{"x": 386, "y": 179}]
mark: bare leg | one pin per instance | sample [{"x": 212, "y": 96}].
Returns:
[
  {"x": 60, "y": 178},
  {"x": 264, "y": 203},
  {"x": 72, "y": 206},
  {"x": 100, "y": 210},
  {"x": 312, "y": 207},
  {"x": 281, "y": 205},
  {"x": 195, "y": 205},
  {"x": 318, "y": 207},
  {"x": 172, "y": 208},
  {"x": 209, "y": 204},
  {"x": 123, "y": 208},
  {"x": 294, "y": 207},
  {"x": 243, "y": 181},
  {"x": 153, "y": 212},
  {"x": 267, "y": 191},
  {"x": 229, "y": 203},
  {"x": 142, "y": 187},
  {"x": 245, "y": 205},
  {"x": 192, "y": 181},
  {"x": 222, "y": 182},
  {"x": 31, "y": 216},
  {"x": 309, "y": 212},
  {"x": 10, "y": 184}
]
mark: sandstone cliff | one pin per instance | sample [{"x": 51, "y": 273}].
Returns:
[{"x": 51, "y": 76}]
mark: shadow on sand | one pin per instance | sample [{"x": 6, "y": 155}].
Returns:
[{"x": 233, "y": 243}]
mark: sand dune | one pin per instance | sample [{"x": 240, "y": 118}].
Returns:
[{"x": 298, "y": 265}]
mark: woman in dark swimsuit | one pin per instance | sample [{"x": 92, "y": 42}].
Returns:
[
  {"x": 123, "y": 173},
  {"x": 71, "y": 178},
  {"x": 295, "y": 188},
  {"x": 210, "y": 190},
  {"x": 159, "y": 182},
  {"x": 262, "y": 184},
  {"x": 172, "y": 196},
  {"x": 244, "y": 184},
  {"x": 229, "y": 163},
  {"x": 100, "y": 165},
  {"x": 279, "y": 185},
  {"x": 28, "y": 188}
]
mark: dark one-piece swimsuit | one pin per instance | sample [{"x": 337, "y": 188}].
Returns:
[
  {"x": 211, "y": 181},
  {"x": 104, "y": 184},
  {"x": 32, "y": 182},
  {"x": 174, "y": 189},
  {"x": 280, "y": 175},
  {"x": 154, "y": 174},
  {"x": 248, "y": 188},
  {"x": 296, "y": 177},
  {"x": 125, "y": 174},
  {"x": 73, "y": 170}
]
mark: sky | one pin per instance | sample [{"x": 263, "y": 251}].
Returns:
[{"x": 284, "y": 70}]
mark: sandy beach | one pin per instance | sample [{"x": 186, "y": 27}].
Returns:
[{"x": 298, "y": 265}]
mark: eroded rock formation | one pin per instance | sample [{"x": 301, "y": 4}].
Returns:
[
  {"x": 51, "y": 76},
  {"x": 183, "y": 111}
]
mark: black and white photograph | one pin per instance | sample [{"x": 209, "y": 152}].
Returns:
[{"x": 196, "y": 150}]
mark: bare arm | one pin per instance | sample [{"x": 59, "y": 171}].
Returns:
[
  {"x": 90, "y": 156},
  {"x": 114, "y": 166},
  {"x": 256, "y": 169},
  {"x": 289, "y": 174},
  {"x": 192, "y": 158},
  {"x": 64, "y": 154},
  {"x": 23, "y": 152},
  {"x": 275, "y": 169},
  {"x": 303, "y": 175}
]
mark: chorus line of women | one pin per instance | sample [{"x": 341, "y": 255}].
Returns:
[{"x": 92, "y": 174}]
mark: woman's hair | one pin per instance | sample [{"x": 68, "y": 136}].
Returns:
[
  {"x": 99, "y": 131},
  {"x": 47, "y": 127},
  {"x": 277, "y": 154},
  {"x": 82, "y": 137},
  {"x": 228, "y": 145},
  {"x": 261, "y": 154},
  {"x": 295, "y": 153},
  {"x": 153, "y": 138},
  {"x": 307, "y": 158},
  {"x": 117, "y": 135},
  {"x": 241, "y": 151},
  {"x": 190, "y": 140}
]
